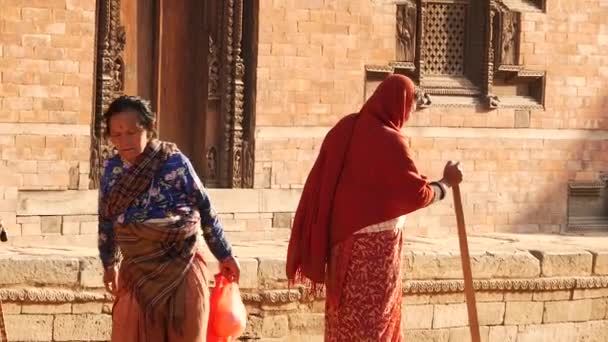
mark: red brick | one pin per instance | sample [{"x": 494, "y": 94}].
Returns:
[
  {"x": 35, "y": 14},
  {"x": 34, "y": 116},
  {"x": 63, "y": 117},
  {"x": 62, "y": 41},
  {"x": 31, "y": 141},
  {"x": 17, "y": 103},
  {"x": 33, "y": 91}
]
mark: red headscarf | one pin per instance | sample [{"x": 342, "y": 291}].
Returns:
[{"x": 363, "y": 175}]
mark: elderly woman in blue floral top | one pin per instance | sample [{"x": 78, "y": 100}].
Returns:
[{"x": 151, "y": 210}]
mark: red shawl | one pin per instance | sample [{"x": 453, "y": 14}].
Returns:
[{"x": 364, "y": 175}]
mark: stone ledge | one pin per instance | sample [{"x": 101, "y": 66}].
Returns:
[
  {"x": 283, "y": 296},
  {"x": 84, "y": 202}
]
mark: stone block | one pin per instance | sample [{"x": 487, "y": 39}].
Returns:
[
  {"x": 82, "y": 327},
  {"x": 567, "y": 311},
  {"x": 275, "y": 326},
  {"x": 425, "y": 335},
  {"x": 253, "y": 327},
  {"x": 464, "y": 334},
  {"x": 523, "y": 313},
  {"x": 305, "y": 338},
  {"x": 46, "y": 309},
  {"x": 446, "y": 265},
  {"x": 70, "y": 228},
  {"x": 522, "y": 119},
  {"x": 518, "y": 296},
  {"x": 416, "y": 299},
  {"x": 91, "y": 273},
  {"x": 275, "y": 200},
  {"x": 87, "y": 308},
  {"x": 417, "y": 316},
  {"x": 432, "y": 265},
  {"x": 37, "y": 270},
  {"x": 450, "y": 315},
  {"x": 546, "y": 296},
  {"x": 72, "y": 202},
  {"x": 491, "y": 313},
  {"x": 590, "y": 293},
  {"x": 28, "y": 219},
  {"x": 599, "y": 309},
  {"x": 593, "y": 331},
  {"x": 235, "y": 200},
  {"x": 557, "y": 332},
  {"x": 271, "y": 273},
  {"x": 503, "y": 334},
  {"x": 491, "y": 296},
  {"x": 447, "y": 298},
  {"x": 600, "y": 264},
  {"x": 29, "y": 327},
  {"x": 11, "y": 308},
  {"x": 89, "y": 228},
  {"x": 306, "y": 323},
  {"x": 50, "y": 224},
  {"x": 281, "y": 220},
  {"x": 249, "y": 273},
  {"x": 31, "y": 229},
  {"x": 565, "y": 263}
]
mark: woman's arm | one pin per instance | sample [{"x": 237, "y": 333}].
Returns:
[
  {"x": 213, "y": 232},
  {"x": 105, "y": 242}
]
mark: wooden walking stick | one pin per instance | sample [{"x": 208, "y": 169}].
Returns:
[{"x": 469, "y": 291}]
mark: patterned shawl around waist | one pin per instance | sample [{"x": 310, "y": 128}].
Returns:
[{"x": 156, "y": 259}]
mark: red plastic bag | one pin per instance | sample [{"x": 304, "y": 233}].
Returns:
[{"x": 227, "y": 314}]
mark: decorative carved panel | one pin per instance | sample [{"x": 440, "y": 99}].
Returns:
[
  {"x": 505, "y": 37},
  {"x": 109, "y": 81},
  {"x": 406, "y": 31}
]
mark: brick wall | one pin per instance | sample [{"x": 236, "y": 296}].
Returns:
[
  {"x": 517, "y": 163},
  {"x": 46, "y": 89},
  {"x": 310, "y": 73}
]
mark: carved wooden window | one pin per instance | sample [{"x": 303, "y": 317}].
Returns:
[
  {"x": 445, "y": 38},
  {"x": 463, "y": 52}
]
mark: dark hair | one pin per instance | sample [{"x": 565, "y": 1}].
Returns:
[{"x": 135, "y": 104}]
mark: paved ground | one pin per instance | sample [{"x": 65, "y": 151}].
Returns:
[{"x": 277, "y": 248}]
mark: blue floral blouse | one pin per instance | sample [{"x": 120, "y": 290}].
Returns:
[{"x": 175, "y": 190}]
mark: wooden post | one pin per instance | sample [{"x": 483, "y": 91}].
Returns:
[{"x": 469, "y": 291}]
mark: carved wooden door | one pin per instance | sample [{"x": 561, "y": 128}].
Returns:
[{"x": 187, "y": 58}]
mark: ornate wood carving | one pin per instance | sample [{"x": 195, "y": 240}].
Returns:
[
  {"x": 464, "y": 48},
  {"x": 506, "y": 35},
  {"x": 231, "y": 160},
  {"x": 406, "y": 31},
  {"x": 214, "y": 70},
  {"x": 109, "y": 81}
]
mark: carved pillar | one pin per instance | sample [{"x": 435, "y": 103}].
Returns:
[
  {"x": 491, "y": 101},
  {"x": 238, "y": 96},
  {"x": 422, "y": 48},
  {"x": 109, "y": 81}
]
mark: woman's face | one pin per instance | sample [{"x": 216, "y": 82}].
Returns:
[{"x": 128, "y": 135}]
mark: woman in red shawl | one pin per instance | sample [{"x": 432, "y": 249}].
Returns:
[{"x": 347, "y": 229}]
